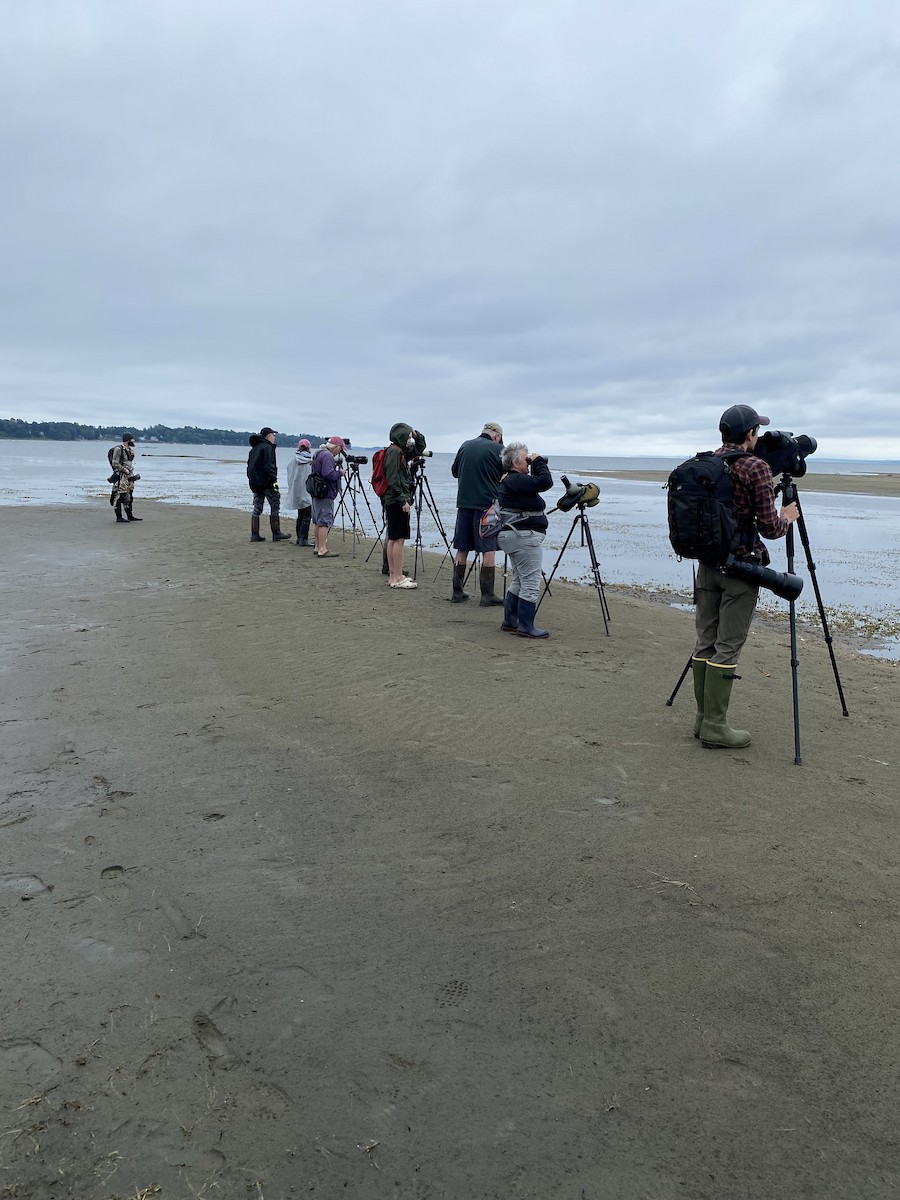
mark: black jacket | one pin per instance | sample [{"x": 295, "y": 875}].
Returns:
[
  {"x": 261, "y": 469},
  {"x": 519, "y": 494}
]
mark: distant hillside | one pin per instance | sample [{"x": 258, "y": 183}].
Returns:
[{"x": 190, "y": 435}]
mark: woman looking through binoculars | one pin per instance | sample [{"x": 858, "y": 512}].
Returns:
[{"x": 522, "y": 533}]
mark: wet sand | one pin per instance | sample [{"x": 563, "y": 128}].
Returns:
[
  {"x": 884, "y": 484},
  {"x": 311, "y": 887}
]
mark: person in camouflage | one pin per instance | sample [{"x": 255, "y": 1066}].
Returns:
[{"x": 122, "y": 494}]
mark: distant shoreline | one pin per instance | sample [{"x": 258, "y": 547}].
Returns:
[{"x": 885, "y": 483}]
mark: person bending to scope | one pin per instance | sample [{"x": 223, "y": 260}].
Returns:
[
  {"x": 522, "y": 532},
  {"x": 725, "y": 604}
]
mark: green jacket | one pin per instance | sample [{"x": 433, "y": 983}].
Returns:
[{"x": 396, "y": 464}]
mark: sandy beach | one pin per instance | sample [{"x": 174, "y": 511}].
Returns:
[{"x": 312, "y": 887}]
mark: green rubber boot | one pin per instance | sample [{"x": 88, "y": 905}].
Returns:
[
  {"x": 698, "y": 665},
  {"x": 715, "y": 732}
]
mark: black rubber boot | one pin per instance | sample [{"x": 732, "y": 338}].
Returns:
[
  {"x": 385, "y": 567},
  {"x": 303, "y": 521},
  {"x": 130, "y": 514},
  {"x": 488, "y": 599},
  {"x": 255, "y": 535},
  {"x": 277, "y": 535},
  {"x": 119, "y": 516},
  {"x": 459, "y": 575},
  {"x": 510, "y": 622},
  {"x": 527, "y": 627}
]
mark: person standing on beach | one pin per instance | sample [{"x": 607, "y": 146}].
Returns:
[
  {"x": 405, "y": 443},
  {"x": 122, "y": 495},
  {"x": 298, "y": 497},
  {"x": 323, "y": 464},
  {"x": 522, "y": 533},
  {"x": 262, "y": 475},
  {"x": 725, "y": 604},
  {"x": 477, "y": 468}
]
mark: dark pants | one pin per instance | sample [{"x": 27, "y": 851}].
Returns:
[{"x": 259, "y": 499}]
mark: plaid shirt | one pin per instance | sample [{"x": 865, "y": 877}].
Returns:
[{"x": 754, "y": 496}]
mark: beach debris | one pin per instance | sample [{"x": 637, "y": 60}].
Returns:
[{"x": 660, "y": 881}]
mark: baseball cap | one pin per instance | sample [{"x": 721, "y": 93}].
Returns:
[
  {"x": 303, "y": 444},
  {"x": 339, "y": 442},
  {"x": 738, "y": 419},
  {"x": 266, "y": 430},
  {"x": 493, "y": 427}
]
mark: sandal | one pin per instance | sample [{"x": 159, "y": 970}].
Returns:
[
  {"x": 327, "y": 554},
  {"x": 405, "y": 583}
]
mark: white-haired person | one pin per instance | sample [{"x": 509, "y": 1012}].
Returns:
[
  {"x": 522, "y": 533},
  {"x": 326, "y": 468}
]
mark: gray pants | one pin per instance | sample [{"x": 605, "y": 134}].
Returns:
[
  {"x": 523, "y": 547},
  {"x": 724, "y": 612}
]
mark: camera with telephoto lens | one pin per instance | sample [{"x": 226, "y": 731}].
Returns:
[
  {"x": 785, "y": 454},
  {"x": 419, "y": 459},
  {"x": 782, "y": 583},
  {"x": 585, "y": 495},
  {"x": 353, "y": 460}
]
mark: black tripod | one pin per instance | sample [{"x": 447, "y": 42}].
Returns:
[
  {"x": 788, "y": 490},
  {"x": 580, "y": 521},
  {"x": 423, "y": 495},
  {"x": 348, "y": 505}
]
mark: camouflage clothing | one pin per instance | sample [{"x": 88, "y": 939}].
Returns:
[{"x": 122, "y": 458}]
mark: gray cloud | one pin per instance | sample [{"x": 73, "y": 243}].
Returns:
[{"x": 606, "y": 222}]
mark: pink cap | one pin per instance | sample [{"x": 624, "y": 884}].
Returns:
[
  {"x": 339, "y": 442},
  {"x": 303, "y": 444}
]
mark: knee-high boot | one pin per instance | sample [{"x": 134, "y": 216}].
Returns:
[
  {"x": 303, "y": 518},
  {"x": 255, "y": 535},
  {"x": 119, "y": 516},
  {"x": 459, "y": 575},
  {"x": 698, "y": 666},
  {"x": 129, "y": 513},
  {"x": 277, "y": 535},
  {"x": 510, "y": 622},
  {"x": 715, "y": 732},
  {"x": 488, "y": 599},
  {"x": 527, "y": 627}
]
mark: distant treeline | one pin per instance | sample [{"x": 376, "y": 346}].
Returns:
[{"x": 189, "y": 435}]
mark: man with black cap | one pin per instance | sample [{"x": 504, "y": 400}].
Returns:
[
  {"x": 725, "y": 605},
  {"x": 262, "y": 475},
  {"x": 477, "y": 468}
]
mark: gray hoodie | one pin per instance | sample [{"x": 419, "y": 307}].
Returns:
[{"x": 298, "y": 469}]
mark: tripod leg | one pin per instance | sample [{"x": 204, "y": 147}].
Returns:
[
  {"x": 595, "y": 565},
  {"x": 681, "y": 679},
  {"x": 549, "y": 579},
  {"x": 801, "y": 526}
]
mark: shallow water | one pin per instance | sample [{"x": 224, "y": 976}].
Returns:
[{"x": 854, "y": 540}]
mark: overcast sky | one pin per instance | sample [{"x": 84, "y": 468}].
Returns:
[{"x": 599, "y": 222}]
